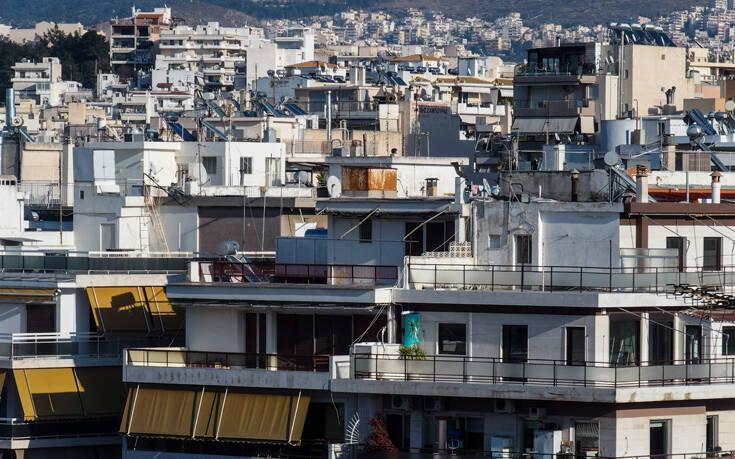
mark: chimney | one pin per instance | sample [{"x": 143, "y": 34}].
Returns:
[
  {"x": 558, "y": 41},
  {"x": 575, "y": 185},
  {"x": 641, "y": 183},
  {"x": 9, "y": 107},
  {"x": 716, "y": 187}
]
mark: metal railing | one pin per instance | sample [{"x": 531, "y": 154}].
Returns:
[
  {"x": 12, "y": 428},
  {"x": 553, "y": 104},
  {"x": 182, "y": 358},
  {"x": 571, "y": 70},
  {"x": 491, "y": 370},
  {"x": 296, "y": 273},
  {"x": 355, "y": 451},
  {"x": 24, "y": 346},
  {"x": 52, "y": 262},
  {"x": 563, "y": 278}
]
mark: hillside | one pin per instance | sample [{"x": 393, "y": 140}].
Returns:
[{"x": 567, "y": 12}]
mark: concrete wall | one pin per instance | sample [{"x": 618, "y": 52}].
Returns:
[
  {"x": 387, "y": 246},
  {"x": 563, "y": 234},
  {"x": 221, "y": 330}
]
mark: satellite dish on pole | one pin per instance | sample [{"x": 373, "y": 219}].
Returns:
[
  {"x": 730, "y": 105},
  {"x": 612, "y": 159},
  {"x": 334, "y": 187}
]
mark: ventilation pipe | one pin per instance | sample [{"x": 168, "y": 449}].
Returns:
[
  {"x": 9, "y": 107},
  {"x": 575, "y": 186},
  {"x": 716, "y": 176},
  {"x": 641, "y": 183}
]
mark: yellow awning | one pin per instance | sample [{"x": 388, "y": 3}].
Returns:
[
  {"x": 264, "y": 417},
  {"x": 48, "y": 392},
  {"x": 133, "y": 309},
  {"x": 215, "y": 414},
  {"x": 164, "y": 412},
  {"x": 69, "y": 392},
  {"x": 27, "y": 294}
]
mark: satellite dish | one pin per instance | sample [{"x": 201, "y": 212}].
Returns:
[
  {"x": 17, "y": 121},
  {"x": 612, "y": 159},
  {"x": 334, "y": 186},
  {"x": 303, "y": 177},
  {"x": 730, "y": 105}
]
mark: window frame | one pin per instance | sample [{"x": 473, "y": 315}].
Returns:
[
  {"x": 717, "y": 266},
  {"x": 365, "y": 231},
  {"x": 528, "y": 249},
  {"x": 206, "y": 159}
]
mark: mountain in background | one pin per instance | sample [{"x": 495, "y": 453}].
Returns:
[{"x": 24, "y": 13}]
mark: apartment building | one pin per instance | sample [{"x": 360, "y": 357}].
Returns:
[
  {"x": 42, "y": 82},
  {"x": 541, "y": 327},
  {"x": 134, "y": 40},
  {"x": 211, "y": 52},
  {"x": 290, "y": 46}
]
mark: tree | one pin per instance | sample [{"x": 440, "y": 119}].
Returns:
[{"x": 379, "y": 440}]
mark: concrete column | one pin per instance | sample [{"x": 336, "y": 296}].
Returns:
[
  {"x": 716, "y": 187},
  {"x": 442, "y": 444},
  {"x": 645, "y": 326},
  {"x": 391, "y": 324},
  {"x": 271, "y": 338}
]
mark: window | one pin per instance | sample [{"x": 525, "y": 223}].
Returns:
[
  {"x": 452, "y": 339},
  {"x": 515, "y": 343},
  {"x": 40, "y": 318},
  {"x": 366, "y": 230},
  {"x": 210, "y": 164},
  {"x": 677, "y": 243},
  {"x": 523, "y": 249},
  {"x": 660, "y": 437},
  {"x": 494, "y": 241},
  {"x": 728, "y": 340},
  {"x": 660, "y": 342},
  {"x": 713, "y": 433},
  {"x": 273, "y": 171},
  {"x": 624, "y": 342},
  {"x": 575, "y": 346},
  {"x": 246, "y": 165},
  {"x": 81, "y": 194},
  {"x": 712, "y": 256}
]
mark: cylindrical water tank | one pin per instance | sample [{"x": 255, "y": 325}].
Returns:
[{"x": 616, "y": 132}]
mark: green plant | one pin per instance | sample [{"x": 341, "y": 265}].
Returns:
[{"x": 412, "y": 352}]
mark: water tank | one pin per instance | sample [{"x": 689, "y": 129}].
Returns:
[
  {"x": 101, "y": 124},
  {"x": 616, "y": 132}
]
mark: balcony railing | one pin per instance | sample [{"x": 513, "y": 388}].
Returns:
[
  {"x": 182, "y": 358},
  {"x": 584, "y": 69},
  {"x": 356, "y": 451},
  {"x": 565, "y": 278},
  {"x": 23, "y": 346},
  {"x": 489, "y": 370},
  {"x": 294, "y": 273},
  {"x": 101, "y": 262},
  {"x": 16, "y": 429}
]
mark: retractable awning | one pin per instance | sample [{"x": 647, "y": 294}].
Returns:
[
  {"x": 539, "y": 125},
  {"x": 47, "y": 393},
  {"x": 215, "y": 414},
  {"x": 133, "y": 309},
  {"x": 27, "y": 294}
]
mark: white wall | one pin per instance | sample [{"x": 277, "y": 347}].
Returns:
[
  {"x": 210, "y": 329},
  {"x": 387, "y": 247}
]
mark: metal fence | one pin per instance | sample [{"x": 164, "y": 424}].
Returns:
[
  {"x": 11, "y": 428},
  {"x": 181, "y": 358},
  {"x": 563, "y": 278},
  {"x": 24, "y": 346},
  {"x": 489, "y": 370},
  {"x": 296, "y": 273}
]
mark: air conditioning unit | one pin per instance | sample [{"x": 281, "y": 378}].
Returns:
[
  {"x": 536, "y": 413},
  {"x": 433, "y": 404},
  {"x": 504, "y": 406},
  {"x": 398, "y": 402}
]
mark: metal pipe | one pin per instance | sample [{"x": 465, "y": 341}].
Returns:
[
  {"x": 329, "y": 116},
  {"x": 9, "y": 107}
]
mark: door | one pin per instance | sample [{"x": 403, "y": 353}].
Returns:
[
  {"x": 659, "y": 438},
  {"x": 273, "y": 171},
  {"x": 712, "y": 249},
  {"x": 107, "y": 237},
  {"x": 677, "y": 243},
  {"x": 515, "y": 343},
  {"x": 660, "y": 342},
  {"x": 575, "y": 346}
]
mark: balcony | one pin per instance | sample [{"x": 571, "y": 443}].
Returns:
[
  {"x": 556, "y": 373},
  {"x": 60, "y": 346},
  {"x": 46, "y": 194},
  {"x": 35, "y": 263},
  {"x": 583, "y": 73},
  {"x": 294, "y": 273},
  {"x": 660, "y": 280},
  {"x": 480, "y": 109},
  {"x": 555, "y": 108},
  {"x": 182, "y": 366}
]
